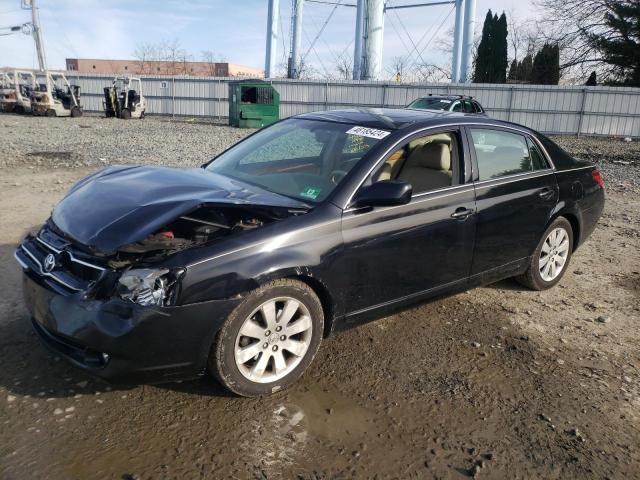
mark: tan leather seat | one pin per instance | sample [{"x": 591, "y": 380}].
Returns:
[
  {"x": 428, "y": 167},
  {"x": 390, "y": 168}
]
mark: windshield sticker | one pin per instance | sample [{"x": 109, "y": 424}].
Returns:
[
  {"x": 311, "y": 192},
  {"x": 368, "y": 132}
]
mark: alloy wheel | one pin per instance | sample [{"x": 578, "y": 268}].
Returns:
[
  {"x": 273, "y": 340},
  {"x": 554, "y": 254}
]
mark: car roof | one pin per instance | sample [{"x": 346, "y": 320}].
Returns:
[
  {"x": 448, "y": 97},
  {"x": 402, "y": 118}
]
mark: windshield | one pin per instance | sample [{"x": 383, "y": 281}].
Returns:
[
  {"x": 431, "y": 103},
  {"x": 303, "y": 159}
]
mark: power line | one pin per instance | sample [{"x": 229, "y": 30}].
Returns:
[
  {"x": 434, "y": 35},
  {"x": 324, "y": 25},
  {"x": 312, "y": 47}
]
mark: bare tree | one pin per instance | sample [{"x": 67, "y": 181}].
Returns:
[
  {"x": 570, "y": 24},
  {"x": 399, "y": 66},
  {"x": 211, "y": 59},
  {"x": 344, "y": 67},
  {"x": 145, "y": 53},
  {"x": 524, "y": 37},
  {"x": 431, "y": 73}
]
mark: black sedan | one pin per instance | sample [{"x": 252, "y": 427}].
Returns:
[{"x": 238, "y": 269}]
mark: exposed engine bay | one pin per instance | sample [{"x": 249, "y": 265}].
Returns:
[{"x": 199, "y": 227}]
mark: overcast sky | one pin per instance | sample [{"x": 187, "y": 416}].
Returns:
[{"x": 233, "y": 29}]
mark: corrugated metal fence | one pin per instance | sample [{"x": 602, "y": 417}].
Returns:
[{"x": 551, "y": 109}]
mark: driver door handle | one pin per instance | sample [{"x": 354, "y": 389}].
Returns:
[{"x": 462, "y": 213}]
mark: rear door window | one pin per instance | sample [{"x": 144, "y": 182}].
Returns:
[
  {"x": 468, "y": 107},
  {"x": 500, "y": 154}
]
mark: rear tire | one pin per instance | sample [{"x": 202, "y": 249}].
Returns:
[
  {"x": 253, "y": 353},
  {"x": 550, "y": 260},
  {"x": 19, "y": 109},
  {"x": 51, "y": 113}
]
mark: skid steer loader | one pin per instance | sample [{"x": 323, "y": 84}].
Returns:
[
  {"x": 15, "y": 91},
  {"x": 56, "y": 97},
  {"x": 124, "y": 99}
]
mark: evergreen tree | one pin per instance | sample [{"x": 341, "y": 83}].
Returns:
[
  {"x": 513, "y": 70},
  {"x": 524, "y": 69},
  {"x": 592, "y": 81},
  {"x": 483, "y": 59},
  {"x": 500, "y": 50},
  {"x": 491, "y": 61},
  {"x": 546, "y": 66},
  {"x": 622, "y": 48}
]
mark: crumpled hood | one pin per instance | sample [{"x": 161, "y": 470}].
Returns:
[{"x": 121, "y": 205}]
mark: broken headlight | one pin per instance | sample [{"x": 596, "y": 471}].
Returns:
[{"x": 148, "y": 286}]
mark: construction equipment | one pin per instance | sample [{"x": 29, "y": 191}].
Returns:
[
  {"x": 56, "y": 97},
  {"x": 124, "y": 99},
  {"x": 15, "y": 91}
]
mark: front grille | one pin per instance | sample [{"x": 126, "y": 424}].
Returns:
[{"x": 56, "y": 260}]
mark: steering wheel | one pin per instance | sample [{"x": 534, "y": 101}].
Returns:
[{"x": 337, "y": 175}]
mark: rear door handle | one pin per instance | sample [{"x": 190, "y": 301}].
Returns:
[
  {"x": 547, "y": 193},
  {"x": 462, "y": 213}
]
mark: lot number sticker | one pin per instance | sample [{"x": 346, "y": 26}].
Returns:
[{"x": 368, "y": 132}]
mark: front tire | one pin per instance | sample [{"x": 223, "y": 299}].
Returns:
[
  {"x": 550, "y": 260},
  {"x": 269, "y": 340}
]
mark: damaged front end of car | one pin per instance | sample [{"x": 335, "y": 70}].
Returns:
[
  {"x": 111, "y": 234},
  {"x": 134, "y": 271},
  {"x": 104, "y": 276}
]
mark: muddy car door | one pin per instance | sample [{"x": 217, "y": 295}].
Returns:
[{"x": 401, "y": 253}]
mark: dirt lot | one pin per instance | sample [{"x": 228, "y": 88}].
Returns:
[{"x": 499, "y": 382}]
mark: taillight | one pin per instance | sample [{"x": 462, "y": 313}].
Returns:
[{"x": 597, "y": 177}]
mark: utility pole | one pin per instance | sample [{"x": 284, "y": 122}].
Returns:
[
  {"x": 296, "y": 38},
  {"x": 457, "y": 42},
  {"x": 272, "y": 38},
  {"x": 375, "y": 35},
  {"x": 360, "y": 41},
  {"x": 467, "y": 40},
  {"x": 37, "y": 32}
]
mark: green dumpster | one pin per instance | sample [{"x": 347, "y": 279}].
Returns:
[{"x": 253, "y": 104}]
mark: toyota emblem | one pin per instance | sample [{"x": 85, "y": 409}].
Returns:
[{"x": 49, "y": 262}]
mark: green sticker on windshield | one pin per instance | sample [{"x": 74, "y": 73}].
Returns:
[{"x": 311, "y": 192}]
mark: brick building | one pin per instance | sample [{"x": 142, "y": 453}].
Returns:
[{"x": 150, "y": 67}]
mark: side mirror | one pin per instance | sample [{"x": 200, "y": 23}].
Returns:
[{"x": 386, "y": 193}]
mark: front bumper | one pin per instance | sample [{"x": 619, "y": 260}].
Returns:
[
  {"x": 7, "y": 107},
  {"x": 120, "y": 341},
  {"x": 40, "y": 109}
]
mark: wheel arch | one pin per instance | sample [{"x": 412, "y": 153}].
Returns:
[
  {"x": 572, "y": 214},
  {"x": 304, "y": 275}
]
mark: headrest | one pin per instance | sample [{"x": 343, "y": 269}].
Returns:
[
  {"x": 437, "y": 138},
  {"x": 435, "y": 156}
]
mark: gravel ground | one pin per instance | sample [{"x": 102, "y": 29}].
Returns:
[{"x": 498, "y": 382}]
